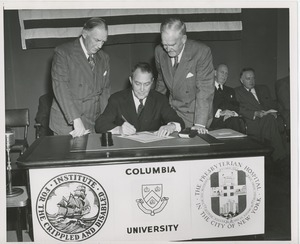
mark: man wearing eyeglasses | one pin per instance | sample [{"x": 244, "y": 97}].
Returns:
[
  {"x": 139, "y": 108},
  {"x": 186, "y": 71}
]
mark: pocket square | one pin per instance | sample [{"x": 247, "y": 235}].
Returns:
[
  {"x": 189, "y": 75},
  {"x": 104, "y": 74}
]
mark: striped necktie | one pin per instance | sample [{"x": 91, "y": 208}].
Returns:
[
  {"x": 140, "y": 107},
  {"x": 91, "y": 61}
]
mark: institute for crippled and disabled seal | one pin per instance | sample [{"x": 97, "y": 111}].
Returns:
[{"x": 72, "y": 207}]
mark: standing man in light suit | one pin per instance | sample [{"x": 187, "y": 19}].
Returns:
[
  {"x": 185, "y": 69},
  {"x": 80, "y": 80}
]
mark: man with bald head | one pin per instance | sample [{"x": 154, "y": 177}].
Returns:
[
  {"x": 225, "y": 105},
  {"x": 186, "y": 72},
  {"x": 80, "y": 81}
]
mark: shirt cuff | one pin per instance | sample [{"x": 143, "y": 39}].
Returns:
[
  {"x": 177, "y": 126},
  {"x": 217, "y": 115},
  {"x": 200, "y": 125}
]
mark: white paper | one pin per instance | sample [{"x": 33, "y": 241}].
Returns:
[{"x": 146, "y": 137}]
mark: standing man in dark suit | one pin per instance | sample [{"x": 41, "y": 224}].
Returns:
[
  {"x": 225, "y": 105},
  {"x": 185, "y": 69},
  {"x": 80, "y": 80},
  {"x": 139, "y": 108},
  {"x": 258, "y": 108}
]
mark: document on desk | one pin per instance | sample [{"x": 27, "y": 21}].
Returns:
[
  {"x": 145, "y": 137},
  {"x": 226, "y": 133}
]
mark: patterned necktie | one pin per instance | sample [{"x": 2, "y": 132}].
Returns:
[
  {"x": 91, "y": 61},
  {"x": 140, "y": 107},
  {"x": 175, "y": 64},
  {"x": 219, "y": 88}
]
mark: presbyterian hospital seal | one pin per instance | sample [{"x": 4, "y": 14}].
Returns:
[
  {"x": 72, "y": 207},
  {"x": 228, "y": 194}
]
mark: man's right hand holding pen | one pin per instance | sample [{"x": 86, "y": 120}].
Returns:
[{"x": 127, "y": 129}]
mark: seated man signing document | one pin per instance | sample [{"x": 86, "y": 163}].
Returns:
[{"x": 139, "y": 108}]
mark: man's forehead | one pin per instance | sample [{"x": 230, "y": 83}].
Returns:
[
  {"x": 223, "y": 68},
  {"x": 170, "y": 35},
  {"x": 99, "y": 31},
  {"x": 249, "y": 73},
  {"x": 142, "y": 77}
]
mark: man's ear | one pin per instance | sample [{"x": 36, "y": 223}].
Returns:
[
  {"x": 130, "y": 80},
  {"x": 184, "y": 38},
  {"x": 84, "y": 33}
]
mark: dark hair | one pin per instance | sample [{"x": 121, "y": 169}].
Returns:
[
  {"x": 144, "y": 67},
  {"x": 93, "y": 22},
  {"x": 245, "y": 70},
  {"x": 173, "y": 23}
]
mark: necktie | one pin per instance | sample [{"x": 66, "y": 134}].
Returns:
[
  {"x": 91, "y": 61},
  {"x": 175, "y": 64},
  {"x": 251, "y": 91},
  {"x": 219, "y": 88},
  {"x": 140, "y": 107}
]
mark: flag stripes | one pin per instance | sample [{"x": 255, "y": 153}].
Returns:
[{"x": 48, "y": 28}]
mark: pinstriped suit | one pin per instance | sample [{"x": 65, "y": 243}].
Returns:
[
  {"x": 192, "y": 86},
  {"x": 79, "y": 91}
]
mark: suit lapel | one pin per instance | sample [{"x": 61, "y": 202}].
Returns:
[
  {"x": 129, "y": 107},
  {"x": 258, "y": 94},
  {"x": 166, "y": 67},
  {"x": 184, "y": 65},
  {"x": 80, "y": 58},
  {"x": 250, "y": 97}
]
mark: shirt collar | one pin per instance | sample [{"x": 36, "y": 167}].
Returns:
[
  {"x": 179, "y": 55},
  {"x": 217, "y": 85},
  {"x": 252, "y": 89},
  {"x": 137, "y": 101},
  {"x": 83, "y": 47}
]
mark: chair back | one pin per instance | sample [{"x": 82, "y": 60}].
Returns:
[{"x": 17, "y": 118}]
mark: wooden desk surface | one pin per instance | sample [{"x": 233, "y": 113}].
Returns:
[{"x": 56, "y": 151}]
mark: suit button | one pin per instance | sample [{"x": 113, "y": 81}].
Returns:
[
  {"x": 80, "y": 85},
  {"x": 187, "y": 92}
]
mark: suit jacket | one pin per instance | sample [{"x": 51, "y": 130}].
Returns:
[
  {"x": 192, "y": 87},
  {"x": 43, "y": 113},
  {"x": 225, "y": 99},
  {"x": 156, "y": 112},
  {"x": 249, "y": 104},
  {"x": 79, "y": 91}
]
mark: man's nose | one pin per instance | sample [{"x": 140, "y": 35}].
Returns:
[
  {"x": 100, "y": 45},
  {"x": 142, "y": 87}
]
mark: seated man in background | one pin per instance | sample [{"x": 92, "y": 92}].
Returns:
[
  {"x": 225, "y": 105},
  {"x": 139, "y": 108},
  {"x": 258, "y": 108}
]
